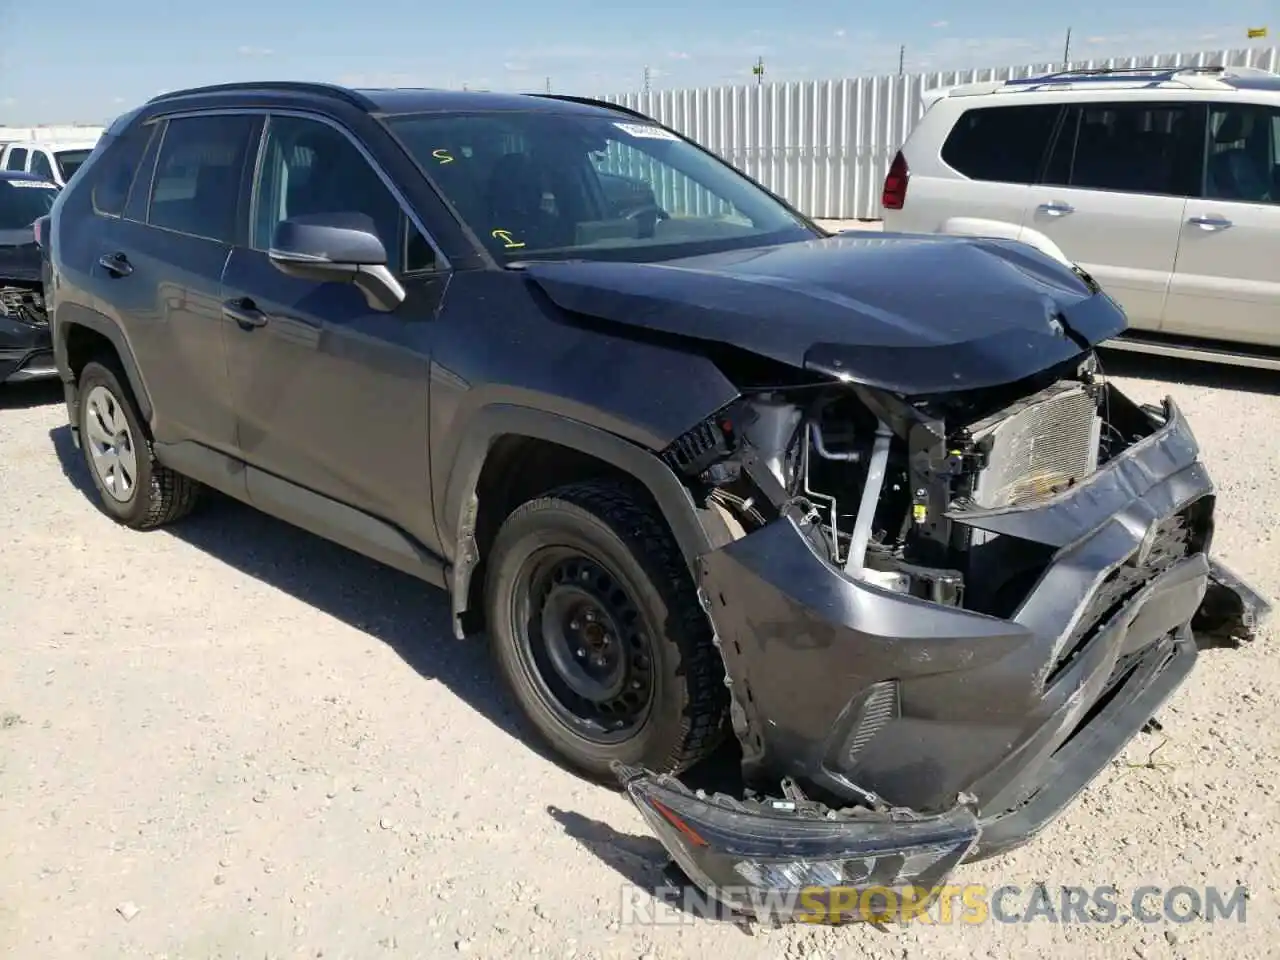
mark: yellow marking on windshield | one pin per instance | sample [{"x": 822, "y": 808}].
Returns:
[{"x": 508, "y": 241}]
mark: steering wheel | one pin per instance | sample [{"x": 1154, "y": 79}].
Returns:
[{"x": 648, "y": 215}]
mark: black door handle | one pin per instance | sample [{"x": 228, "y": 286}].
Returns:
[
  {"x": 116, "y": 264},
  {"x": 244, "y": 313}
]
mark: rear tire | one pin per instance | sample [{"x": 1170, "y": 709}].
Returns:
[
  {"x": 134, "y": 488},
  {"x": 598, "y": 632}
]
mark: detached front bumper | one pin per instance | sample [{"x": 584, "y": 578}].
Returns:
[{"x": 874, "y": 699}]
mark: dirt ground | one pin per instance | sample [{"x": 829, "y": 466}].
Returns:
[{"x": 231, "y": 739}]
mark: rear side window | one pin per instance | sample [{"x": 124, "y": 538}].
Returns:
[
  {"x": 196, "y": 188},
  {"x": 1147, "y": 148},
  {"x": 113, "y": 175},
  {"x": 1001, "y": 144},
  {"x": 17, "y": 159}
]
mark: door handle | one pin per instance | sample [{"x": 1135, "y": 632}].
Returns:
[
  {"x": 116, "y": 264},
  {"x": 1056, "y": 209},
  {"x": 244, "y": 313},
  {"x": 1209, "y": 223}
]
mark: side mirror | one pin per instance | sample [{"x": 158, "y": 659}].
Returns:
[{"x": 337, "y": 247}]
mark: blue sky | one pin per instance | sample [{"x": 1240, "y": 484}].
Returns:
[{"x": 77, "y": 61}]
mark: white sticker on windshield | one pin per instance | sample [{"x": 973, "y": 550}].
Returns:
[
  {"x": 646, "y": 132},
  {"x": 42, "y": 184}
]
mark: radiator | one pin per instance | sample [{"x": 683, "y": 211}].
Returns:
[{"x": 1038, "y": 447}]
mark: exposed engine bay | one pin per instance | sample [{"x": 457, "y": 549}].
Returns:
[{"x": 878, "y": 482}]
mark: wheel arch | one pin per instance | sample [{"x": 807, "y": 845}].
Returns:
[
  {"x": 80, "y": 338},
  {"x": 511, "y": 454}
]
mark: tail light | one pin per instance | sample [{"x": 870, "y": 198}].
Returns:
[{"x": 895, "y": 184}]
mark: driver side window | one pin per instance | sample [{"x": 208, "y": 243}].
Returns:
[{"x": 309, "y": 167}]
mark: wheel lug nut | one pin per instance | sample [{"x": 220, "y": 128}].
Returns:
[
  {"x": 575, "y": 625},
  {"x": 635, "y": 684},
  {"x": 581, "y": 652}
]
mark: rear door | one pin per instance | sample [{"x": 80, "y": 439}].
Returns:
[
  {"x": 1226, "y": 283},
  {"x": 1113, "y": 193},
  {"x": 160, "y": 267}
]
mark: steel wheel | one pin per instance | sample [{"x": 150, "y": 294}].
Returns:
[
  {"x": 583, "y": 644},
  {"x": 112, "y": 449}
]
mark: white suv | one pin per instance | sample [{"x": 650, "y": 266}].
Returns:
[
  {"x": 1162, "y": 184},
  {"x": 56, "y": 162}
]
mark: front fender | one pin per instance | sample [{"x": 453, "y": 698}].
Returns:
[{"x": 696, "y": 531}]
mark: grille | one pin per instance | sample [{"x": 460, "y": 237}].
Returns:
[
  {"x": 25, "y": 306},
  {"x": 1038, "y": 448}
]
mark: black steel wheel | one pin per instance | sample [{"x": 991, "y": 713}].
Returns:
[{"x": 598, "y": 632}]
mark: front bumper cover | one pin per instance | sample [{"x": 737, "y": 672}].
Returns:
[
  {"x": 873, "y": 698},
  {"x": 26, "y": 351}
]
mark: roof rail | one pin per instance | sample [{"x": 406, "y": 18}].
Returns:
[
  {"x": 330, "y": 90},
  {"x": 1152, "y": 76},
  {"x": 593, "y": 102}
]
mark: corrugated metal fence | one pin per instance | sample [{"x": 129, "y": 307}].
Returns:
[{"x": 826, "y": 145}]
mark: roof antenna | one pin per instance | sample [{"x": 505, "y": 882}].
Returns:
[{"x": 1066, "y": 52}]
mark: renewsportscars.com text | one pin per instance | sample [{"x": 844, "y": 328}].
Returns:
[{"x": 968, "y": 904}]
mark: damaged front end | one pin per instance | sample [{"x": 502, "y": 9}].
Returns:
[{"x": 940, "y": 618}]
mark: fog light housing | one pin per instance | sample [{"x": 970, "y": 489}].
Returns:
[{"x": 789, "y": 860}]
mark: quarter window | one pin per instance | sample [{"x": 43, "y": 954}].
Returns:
[
  {"x": 1148, "y": 148},
  {"x": 310, "y": 168},
  {"x": 1001, "y": 144},
  {"x": 113, "y": 175},
  {"x": 196, "y": 188},
  {"x": 17, "y": 159}
]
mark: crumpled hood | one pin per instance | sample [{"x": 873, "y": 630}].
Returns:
[
  {"x": 909, "y": 313},
  {"x": 19, "y": 255}
]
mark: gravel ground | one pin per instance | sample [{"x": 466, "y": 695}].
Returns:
[{"x": 231, "y": 739}]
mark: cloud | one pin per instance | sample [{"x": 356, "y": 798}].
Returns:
[
  {"x": 940, "y": 24},
  {"x": 678, "y": 55},
  {"x": 513, "y": 66},
  {"x": 840, "y": 33},
  {"x": 247, "y": 51},
  {"x": 9, "y": 102},
  {"x": 117, "y": 99}
]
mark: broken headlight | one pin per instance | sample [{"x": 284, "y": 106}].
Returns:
[{"x": 785, "y": 860}]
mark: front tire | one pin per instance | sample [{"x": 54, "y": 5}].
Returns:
[
  {"x": 597, "y": 629},
  {"x": 134, "y": 488}
]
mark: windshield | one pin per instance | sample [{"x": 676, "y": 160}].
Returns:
[
  {"x": 23, "y": 202},
  {"x": 543, "y": 185},
  {"x": 69, "y": 161}
]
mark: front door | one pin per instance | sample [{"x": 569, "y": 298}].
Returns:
[
  {"x": 1226, "y": 283},
  {"x": 1113, "y": 194},
  {"x": 331, "y": 394}
]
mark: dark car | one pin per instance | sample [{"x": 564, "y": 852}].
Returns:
[
  {"x": 25, "y": 349},
  {"x": 694, "y": 463}
]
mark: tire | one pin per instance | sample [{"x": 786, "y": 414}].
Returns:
[
  {"x": 627, "y": 559},
  {"x": 154, "y": 495}
]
